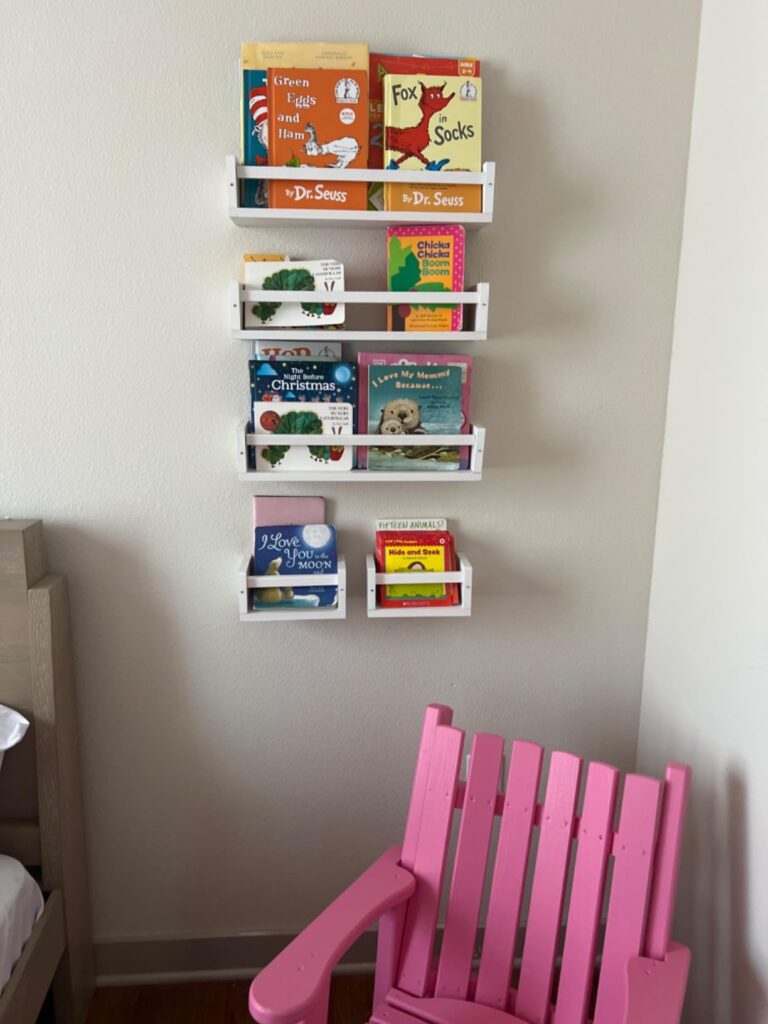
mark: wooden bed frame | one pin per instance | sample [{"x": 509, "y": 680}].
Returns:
[{"x": 41, "y": 818}]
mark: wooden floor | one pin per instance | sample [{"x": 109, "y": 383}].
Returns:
[{"x": 215, "y": 1002}]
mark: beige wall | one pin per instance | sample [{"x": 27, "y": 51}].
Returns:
[
  {"x": 237, "y": 775},
  {"x": 706, "y": 678}
]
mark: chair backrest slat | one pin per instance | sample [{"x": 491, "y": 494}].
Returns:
[
  {"x": 506, "y": 896},
  {"x": 667, "y": 861},
  {"x": 435, "y": 714},
  {"x": 429, "y": 861},
  {"x": 546, "y": 908},
  {"x": 593, "y": 847},
  {"x": 633, "y": 849},
  {"x": 466, "y": 892}
]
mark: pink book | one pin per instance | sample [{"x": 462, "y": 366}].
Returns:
[
  {"x": 287, "y": 511},
  {"x": 366, "y": 359}
]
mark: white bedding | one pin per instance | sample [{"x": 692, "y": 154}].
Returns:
[{"x": 21, "y": 903}]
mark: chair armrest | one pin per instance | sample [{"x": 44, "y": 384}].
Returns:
[
  {"x": 286, "y": 989},
  {"x": 656, "y": 988}
]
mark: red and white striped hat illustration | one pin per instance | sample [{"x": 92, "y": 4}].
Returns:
[{"x": 257, "y": 107}]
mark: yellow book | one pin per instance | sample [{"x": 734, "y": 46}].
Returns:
[
  {"x": 258, "y": 56},
  {"x": 433, "y": 123}
]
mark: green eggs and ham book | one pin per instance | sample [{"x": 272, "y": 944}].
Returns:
[
  {"x": 302, "y": 397},
  {"x": 294, "y": 551}
]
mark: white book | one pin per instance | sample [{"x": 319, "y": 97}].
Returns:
[
  {"x": 322, "y": 351},
  {"x": 334, "y": 417},
  {"x": 293, "y": 275}
]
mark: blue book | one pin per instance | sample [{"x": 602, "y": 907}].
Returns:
[
  {"x": 254, "y": 125},
  {"x": 294, "y": 551},
  {"x": 303, "y": 380}
]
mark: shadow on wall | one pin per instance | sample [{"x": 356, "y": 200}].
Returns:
[{"x": 725, "y": 984}]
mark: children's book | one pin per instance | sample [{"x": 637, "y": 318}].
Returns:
[
  {"x": 382, "y": 64},
  {"x": 416, "y": 551},
  {"x": 324, "y": 351},
  {"x": 269, "y": 510},
  {"x": 433, "y": 124},
  {"x": 410, "y": 525},
  {"x": 318, "y": 117},
  {"x": 310, "y": 55},
  {"x": 301, "y": 550},
  {"x": 294, "y": 275},
  {"x": 425, "y": 259},
  {"x": 414, "y": 400},
  {"x": 254, "y": 118},
  {"x": 365, "y": 360},
  {"x": 320, "y": 398}
]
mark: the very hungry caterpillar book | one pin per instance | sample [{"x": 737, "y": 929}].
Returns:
[
  {"x": 319, "y": 397},
  {"x": 409, "y": 551},
  {"x": 293, "y": 275},
  {"x": 294, "y": 551},
  {"x": 432, "y": 124},
  {"x": 414, "y": 399},
  {"x": 366, "y": 360},
  {"x": 318, "y": 117},
  {"x": 425, "y": 259}
]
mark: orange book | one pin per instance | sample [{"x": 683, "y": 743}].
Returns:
[{"x": 318, "y": 117}]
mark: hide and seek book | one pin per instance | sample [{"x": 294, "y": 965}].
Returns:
[
  {"x": 318, "y": 117},
  {"x": 425, "y": 259},
  {"x": 432, "y": 124},
  {"x": 409, "y": 551},
  {"x": 302, "y": 397},
  {"x": 298, "y": 550},
  {"x": 369, "y": 404}
]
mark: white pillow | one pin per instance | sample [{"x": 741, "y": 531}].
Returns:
[{"x": 12, "y": 729}]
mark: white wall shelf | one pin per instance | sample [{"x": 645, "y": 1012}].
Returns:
[
  {"x": 475, "y": 441},
  {"x": 248, "y": 582},
  {"x": 463, "y": 576},
  {"x": 475, "y": 300},
  {"x": 254, "y": 217}
]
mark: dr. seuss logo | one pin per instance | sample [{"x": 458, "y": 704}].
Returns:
[{"x": 300, "y": 193}]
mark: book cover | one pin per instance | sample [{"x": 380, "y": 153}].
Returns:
[
  {"x": 410, "y": 525},
  {"x": 434, "y": 124},
  {"x": 287, "y": 510},
  {"x": 414, "y": 399},
  {"x": 425, "y": 259},
  {"x": 294, "y": 275},
  {"x": 307, "y": 55},
  {"x": 253, "y": 132},
  {"x": 323, "y": 397},
  {"x": 325, "y": 351},
  {"x": 368, "y": 359},
  {"x": 416, "y": 551},
  {"x": 318, "y": 117},
  {"x": 382, "y": 64},
  {"x": 301, "y": 550}
]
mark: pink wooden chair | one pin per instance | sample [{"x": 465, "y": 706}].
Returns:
[{"x": 638, "y": 977}]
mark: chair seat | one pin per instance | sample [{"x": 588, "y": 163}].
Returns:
[{"x": 402, "y": 1008}]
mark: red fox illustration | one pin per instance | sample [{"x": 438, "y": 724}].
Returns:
[{"x": 412, "y": 141}]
